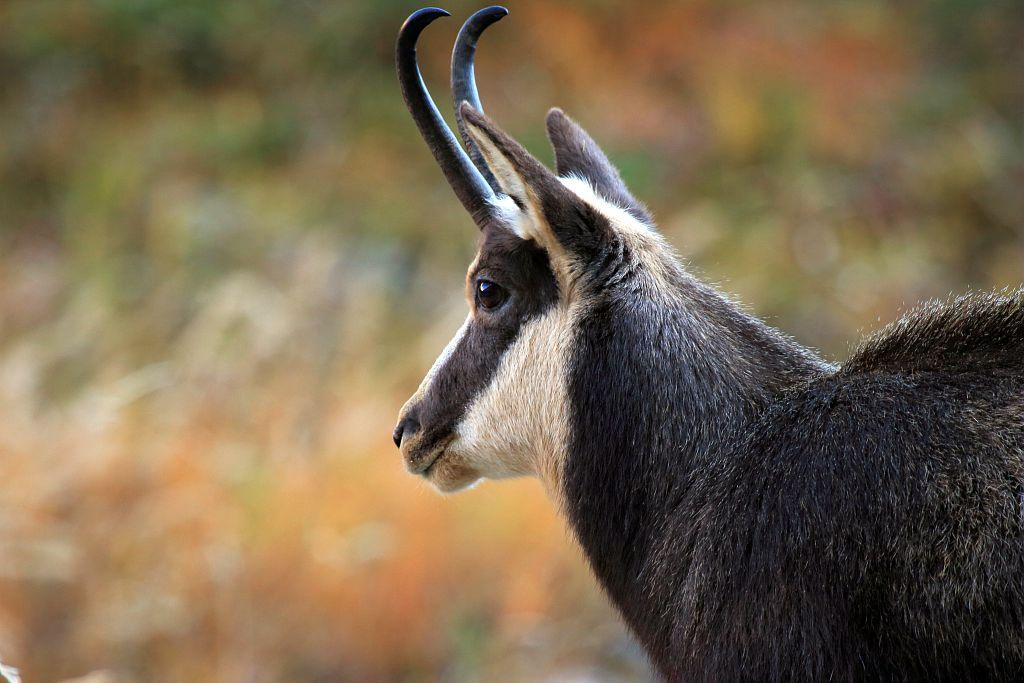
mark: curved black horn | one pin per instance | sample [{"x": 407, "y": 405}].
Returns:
[
  {"x": 469, "y": 185},
  {"x": 464, "y": 79}
]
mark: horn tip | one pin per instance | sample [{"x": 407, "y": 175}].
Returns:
[
  {"x": 425, "y": 16},
  {"x": 481, "y": 19},
  {"x": 492, "y": 14}
]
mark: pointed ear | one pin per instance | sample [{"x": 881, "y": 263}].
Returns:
[
  {"x": 551, "y": 214},
  {"x": 520, "y": 175},
  {"x": 577, "y": 154}
]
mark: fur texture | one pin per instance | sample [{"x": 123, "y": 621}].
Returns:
[
  {"x": 802, "y": 524},
  {"x": 754, "y": 512}
]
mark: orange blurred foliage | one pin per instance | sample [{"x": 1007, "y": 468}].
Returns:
[{"x": 226, "y": 258}]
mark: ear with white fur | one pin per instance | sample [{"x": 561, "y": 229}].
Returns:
[
  {"x": 551, "y": 214},
  {"x": 577, "y": 154}
]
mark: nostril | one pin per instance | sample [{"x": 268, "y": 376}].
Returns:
[{"x": 407, "y": 425}]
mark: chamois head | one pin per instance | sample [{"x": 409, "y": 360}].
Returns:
[{"x": 495, "y": 404}]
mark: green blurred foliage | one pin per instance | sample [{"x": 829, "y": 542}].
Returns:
[{"x": 226, "y": 258}]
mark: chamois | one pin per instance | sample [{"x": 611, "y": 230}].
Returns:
[{"x": 753, "y": 511}]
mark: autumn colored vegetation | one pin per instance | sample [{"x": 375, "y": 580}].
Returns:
[{"x": 226, "y": 258}]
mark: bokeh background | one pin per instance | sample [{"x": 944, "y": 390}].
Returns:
[{"x": 226, "y": 259}]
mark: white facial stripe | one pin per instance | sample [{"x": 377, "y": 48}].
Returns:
[
  {"x": 446, "y": 353},
  {"x": 438, "y": 364},
  {"x": 519, "y": 424}
]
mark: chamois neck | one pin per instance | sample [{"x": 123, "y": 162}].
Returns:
[
  {"x": 752, "y": 359},
  {"x": 660, "y": 387}
]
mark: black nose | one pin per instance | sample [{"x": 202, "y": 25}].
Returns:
[{"x": 407, "y": 425}]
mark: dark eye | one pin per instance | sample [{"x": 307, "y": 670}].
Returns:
[{"x": 489, "y": 295}]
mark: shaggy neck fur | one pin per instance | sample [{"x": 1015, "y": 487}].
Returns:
[{"x": 666, "y": 375}]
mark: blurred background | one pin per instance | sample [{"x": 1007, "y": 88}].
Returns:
[{"x": 226, "y": 259}]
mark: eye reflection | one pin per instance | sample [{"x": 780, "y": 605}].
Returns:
[{"x": 489, "y": 295}]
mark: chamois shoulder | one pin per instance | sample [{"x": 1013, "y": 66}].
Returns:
[{"x": 969, "y": 331}]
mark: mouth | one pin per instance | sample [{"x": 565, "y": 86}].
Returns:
[
  {"x": 425, "y": 472},
  {"x": 428, "y": 464}
]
